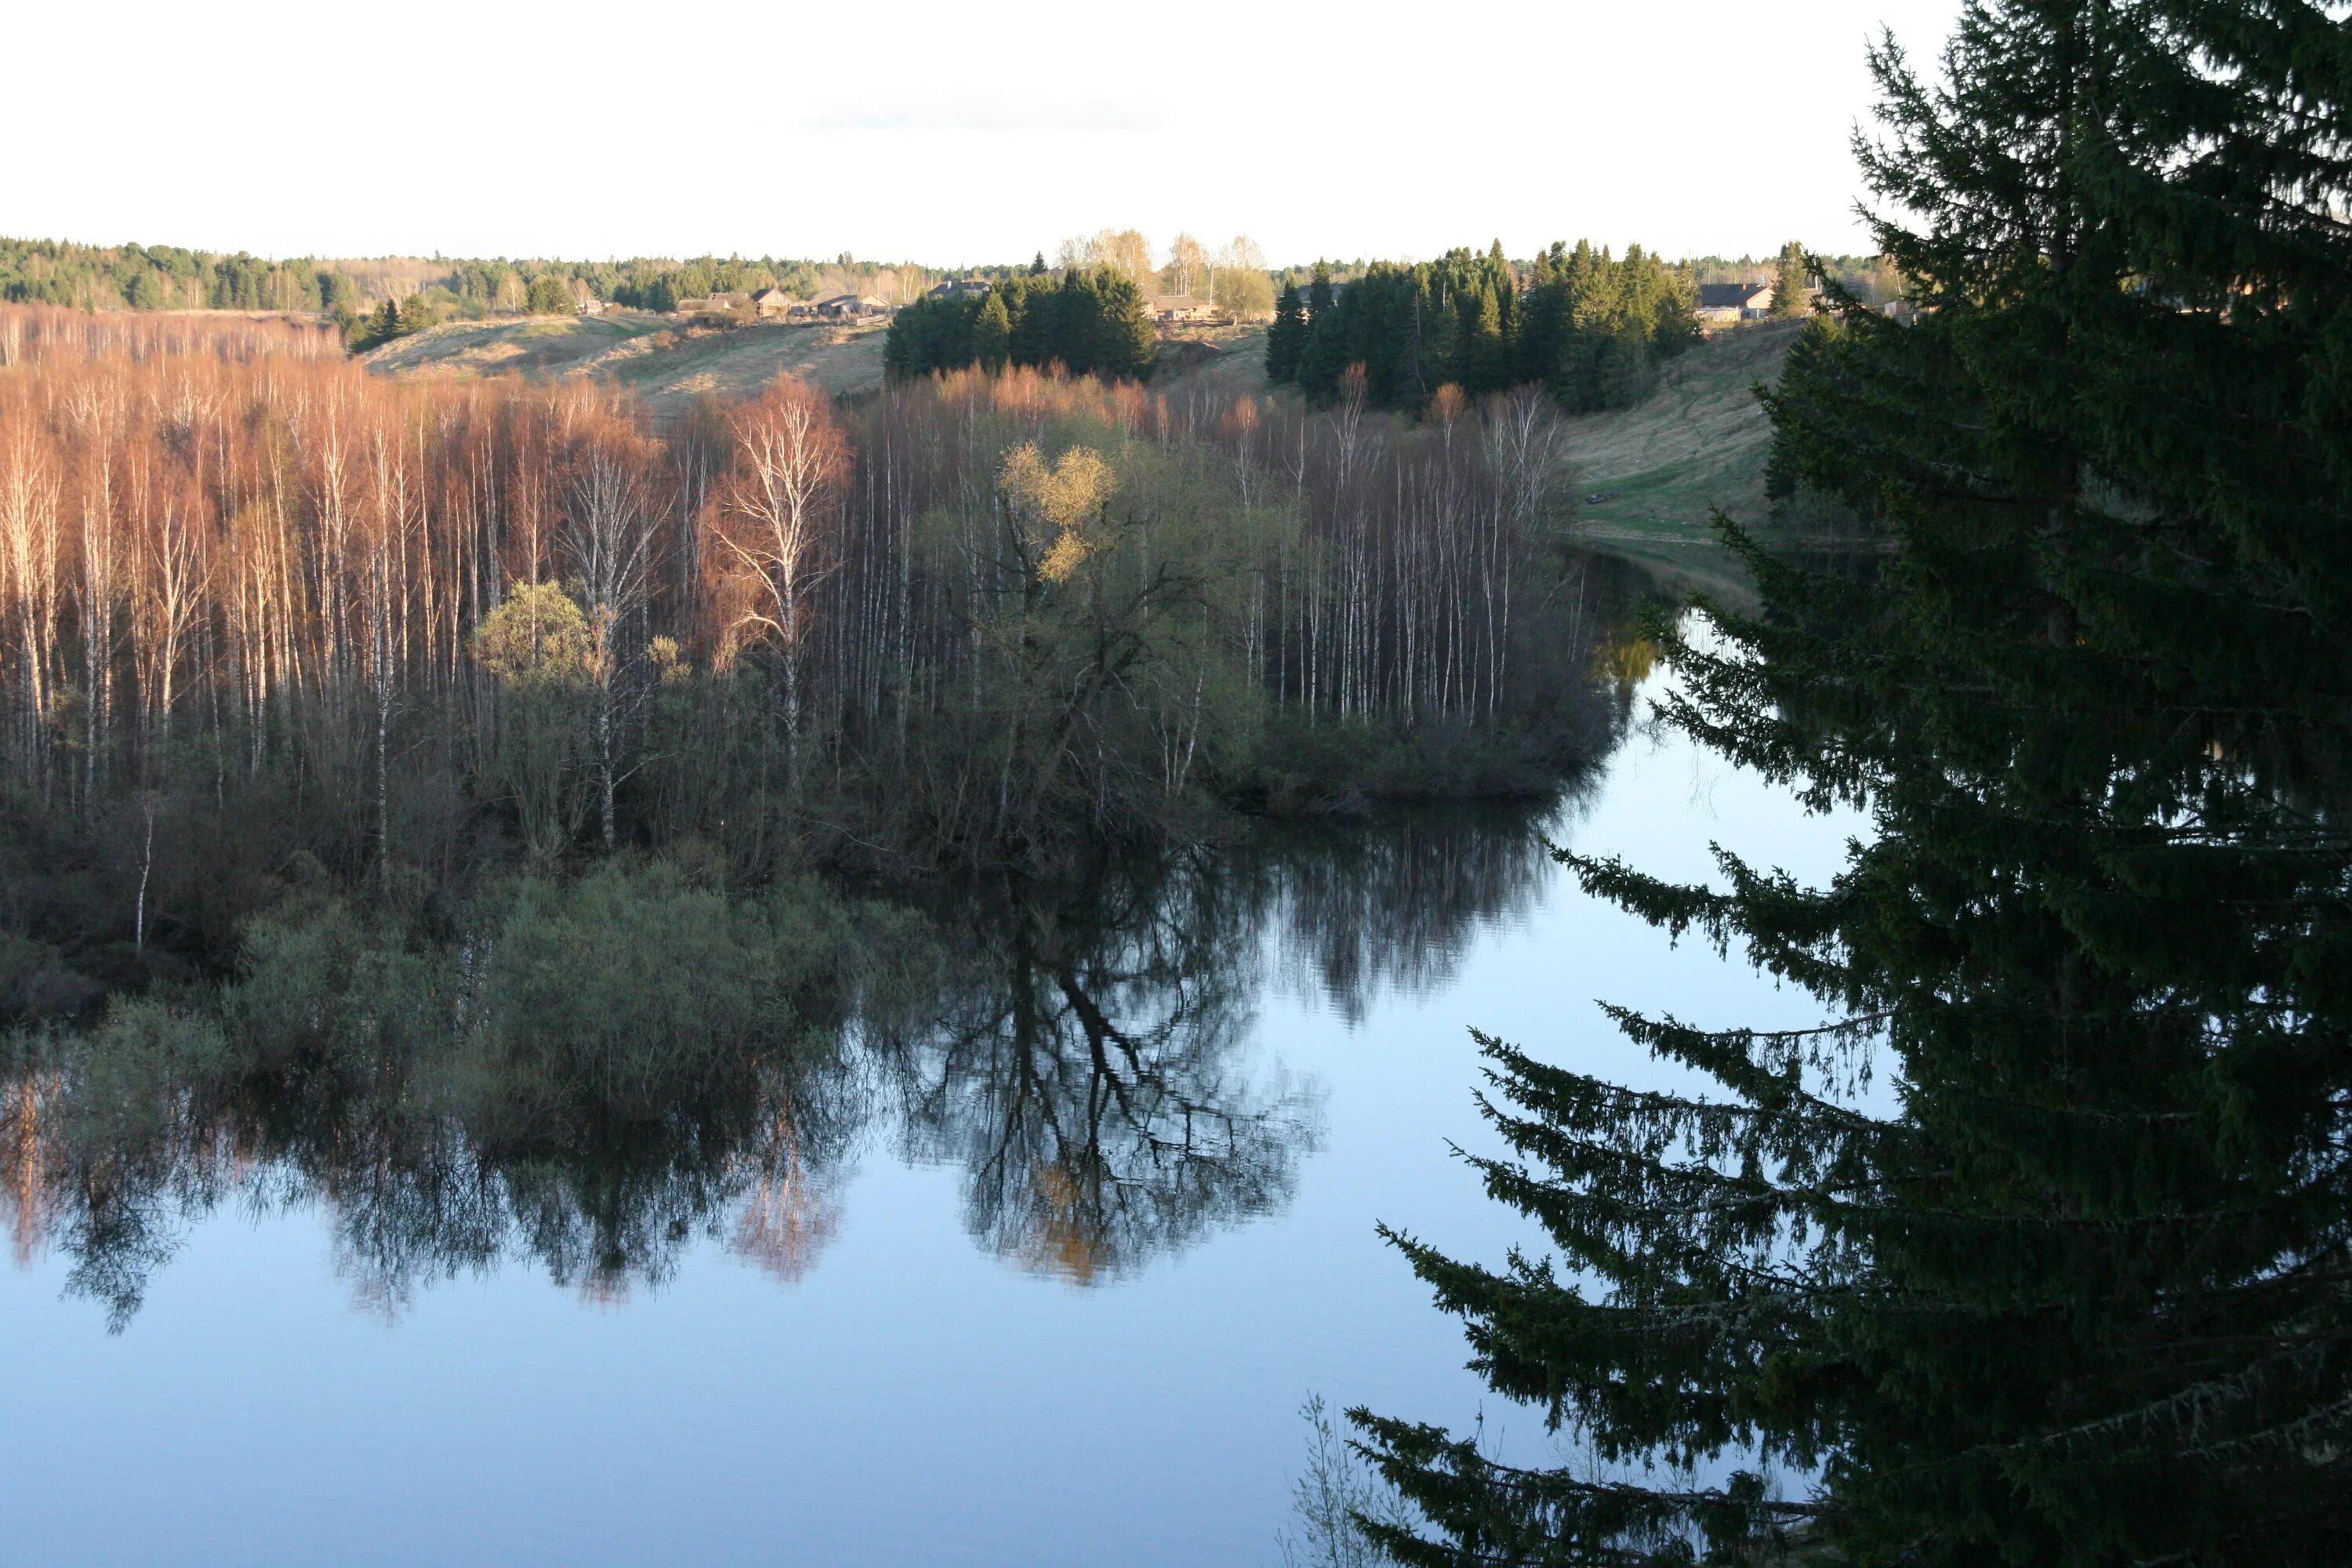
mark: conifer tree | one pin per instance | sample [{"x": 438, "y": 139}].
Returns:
[
  {"x": 1285, "y": 338},
  {"x": 991, "y": 333},
  {"x": 1788, "y": 276},
  {"x": 1324, "y": 356},
  {"x": 2078, "y": 1294}
]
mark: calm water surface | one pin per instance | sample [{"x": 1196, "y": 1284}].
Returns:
[{"x": 936, "y": 1341}]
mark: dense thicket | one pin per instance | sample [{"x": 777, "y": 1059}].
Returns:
[
  {"x": 1589, "y": 329},
  {"x": 1088, "y": 321},
  {"x": 2080, "y": 1291},
  {"x": 259, "y": 605}
]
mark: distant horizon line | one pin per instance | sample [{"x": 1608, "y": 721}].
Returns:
[{"x": 843, "y": 258}]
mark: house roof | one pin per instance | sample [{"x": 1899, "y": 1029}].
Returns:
[{"x": 1729, "y": 296}]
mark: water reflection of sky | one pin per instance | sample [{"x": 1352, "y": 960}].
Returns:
[{"x": 909, "y": 1398}]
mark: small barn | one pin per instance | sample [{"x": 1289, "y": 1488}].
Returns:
[
  {"x": 773, "y": 304},
  {"x": 1177, "y": 309},
  {"x": 849, "y": 307},
  {"x": 714, "y": 304},
  {"x": 1725, "y": 304}
]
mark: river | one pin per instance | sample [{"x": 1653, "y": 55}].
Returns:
[{"x": 925, "y": 1350}]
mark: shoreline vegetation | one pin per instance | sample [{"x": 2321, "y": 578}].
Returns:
[{"x": 272, "y": 622}]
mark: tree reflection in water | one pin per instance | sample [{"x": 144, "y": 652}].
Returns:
[
  {"x": 1091, "y": 1074},
  {"x": 1086, "y": 1058}
]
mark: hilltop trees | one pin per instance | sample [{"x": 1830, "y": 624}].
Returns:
[
  {"x": 165, "y": 278},
  {"x": 1124, "y": 249},
  {"x": 1090, "y": 321},
  {"x": 2075, "y": 1292},
  {"x": 550, "y": 296},
  {"x": 1590, "y": 330}
]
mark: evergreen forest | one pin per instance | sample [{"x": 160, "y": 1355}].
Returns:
[
  {"x": 1592, "y": 330},
  {"x": 1090, "y": 320}
]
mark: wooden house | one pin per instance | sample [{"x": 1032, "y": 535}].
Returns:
[
  {"x": 1174, "y": 310},
  {"x": 1726, "y": 304},
  {"x": 850, "y": 306}
]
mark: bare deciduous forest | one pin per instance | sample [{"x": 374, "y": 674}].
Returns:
[{"x": 266, "y": 613}]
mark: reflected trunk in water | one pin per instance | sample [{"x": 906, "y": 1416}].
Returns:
[{"x": 598, "y": 1077}]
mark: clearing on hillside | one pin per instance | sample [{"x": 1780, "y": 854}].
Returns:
[{"x": 669, "y": 363}]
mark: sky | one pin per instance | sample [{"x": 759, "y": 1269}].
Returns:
[{"x": 944, "y": 133}]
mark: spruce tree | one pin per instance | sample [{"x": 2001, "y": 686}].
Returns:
[
  {"x": 1788, "y": 274},
  {"x": 1324, "y": 357},
  {"x": 1285, "y": 339},
  {"x": 991, "y": 333},
  {"x": 2079, "y": 1294},
  {"x": 1124, "y": 341}
]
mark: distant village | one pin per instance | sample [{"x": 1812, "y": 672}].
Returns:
[
  {"x": 1719, "y": 305},
  {"x": 775, "y": 305}
]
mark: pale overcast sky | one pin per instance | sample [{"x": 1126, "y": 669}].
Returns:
[{"x": 941, "y": 133}]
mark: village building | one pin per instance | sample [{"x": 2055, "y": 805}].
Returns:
[
  {"x": 1176, "y": 309},
  {"x": 848, "y": 306},
  {"x": 960, "y": 288},
  {"x": 773, "y": 304},
  {"x": 719, "y": 303},
  {"x": 1726, "y": 304}
]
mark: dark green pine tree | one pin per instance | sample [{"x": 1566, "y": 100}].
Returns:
[
  {"x": 991, "y": 333},
  {"x": 1788, "y": 275},
  {"x": 2079, "y": 1293},
  {"x": 384, "y": 324},
  {"x": 1285, "y": 339},
  {"x": 1486, "y": 352},
  {"x": 1323, "y": 359},
  {"x": 1124, "y": 342}
]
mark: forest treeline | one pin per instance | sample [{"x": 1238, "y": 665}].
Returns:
[
  {"x": 168, "y": 277},
  {"x": 1590, "y": 329},
  {"x": 258, "y": 603},
  {"x": 1090, "y": 320}
]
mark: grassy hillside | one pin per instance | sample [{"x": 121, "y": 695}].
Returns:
[
  {"x": 1699, "y": 443},
  {"x": 1222, "y": 362},
  {"x": 669, "y": 363},
  {"x": 1648, "y": 476}
]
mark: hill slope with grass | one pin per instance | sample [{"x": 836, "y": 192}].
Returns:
[
  {"x": 1646, "y": 478},
  {"x": 1649, "y": 477},
  {"x": 668, "y": 363}
]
